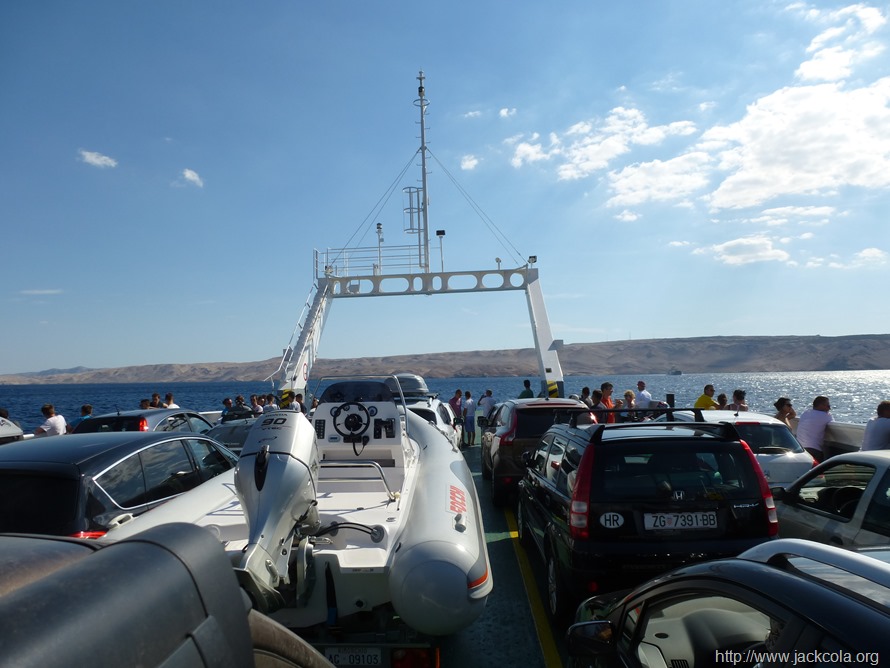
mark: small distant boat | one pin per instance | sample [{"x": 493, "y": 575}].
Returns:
[{"x": 674, "y": 372}]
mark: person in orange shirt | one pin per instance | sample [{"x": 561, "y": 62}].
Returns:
[{"x": 606, "y": 389}]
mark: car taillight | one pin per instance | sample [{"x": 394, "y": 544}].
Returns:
[
  {"x": 579, "y": 512},
  {"x": 143, "y": 424},
  {"x": 415, "y": 657},
  {"x": 88, "y": 534},
  {"x": 507, "y": 437},
  {"x": 768, "y": 502}
]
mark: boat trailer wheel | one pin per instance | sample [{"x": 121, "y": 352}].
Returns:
[{"x": 351, "y": 420}]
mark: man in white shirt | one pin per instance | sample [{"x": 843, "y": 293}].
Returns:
[
  {"x": 487, "y": 403},
  {"x": 54, "y": 424},
  {"x": 469, "y": 408},
  {"x": 811, "y": 427},
  {"x": 877, "y": 430},
  {"x": 643, "y": 396}
]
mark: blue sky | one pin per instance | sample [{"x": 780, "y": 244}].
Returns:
[{"x": 680, "y": 169}]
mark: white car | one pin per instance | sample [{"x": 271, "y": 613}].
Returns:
[
  {"x": 778, "y": 452},
  {"x": 422, "y": 402},
  {"x": 844, "y": 501}
]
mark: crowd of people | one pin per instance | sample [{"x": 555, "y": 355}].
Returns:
[
  {"x": 810, "y": 427},
  {"x": 631, "y": 407},
  {"x": 463, "y": 405},
  {"x": 263, "y": 403}
]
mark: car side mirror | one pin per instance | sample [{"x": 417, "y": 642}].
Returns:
[
  {"x": 458, "y": 420},
  {"x": 527, "y": 458},
  {"x": 483, "y": 422},
  {"x": 782, "y": 494},
  {"x": 589, "y": 639}
]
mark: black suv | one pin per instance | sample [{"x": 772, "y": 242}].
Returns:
[
  {"x": 788, "y": 603},
  {"x": 609, "y": 506}
]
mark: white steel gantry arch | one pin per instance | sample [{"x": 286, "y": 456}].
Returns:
[{"x": 387, "y": 271}]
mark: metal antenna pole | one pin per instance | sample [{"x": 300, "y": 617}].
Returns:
[{"x": 424, "y": 227}]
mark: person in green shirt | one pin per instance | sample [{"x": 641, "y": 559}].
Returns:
[{"x": 527, "y": 392}]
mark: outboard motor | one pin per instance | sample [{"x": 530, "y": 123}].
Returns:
[{"x": 276, "y": 480}]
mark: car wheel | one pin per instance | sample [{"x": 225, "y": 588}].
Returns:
[
  {"x": 498, "y": 493},
  {"x": 522, "y": 531},
  {"x": 486, "y": 469},
  {"x": 557, "y": 597}
]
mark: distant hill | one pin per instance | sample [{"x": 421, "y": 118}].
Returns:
[{"x": 722, "y": 354}]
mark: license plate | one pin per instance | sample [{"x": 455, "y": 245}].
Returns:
[
  {"x": 354, "y": 656},
  {"x": 680, "y": 521}
]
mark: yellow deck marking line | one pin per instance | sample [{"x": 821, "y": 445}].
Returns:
[{"x": 539, "y": 614}]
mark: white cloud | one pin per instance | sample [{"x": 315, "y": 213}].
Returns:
[
  {"x": 531, "y": 151},
  {"x": 864, "y": 259},
  {"x": 844, "y": 44},
  {"x": 191, "y": 176},
  {"x": 40, "y": 293},
  {"x": 870, "y": 256},
  {"x": 473, "y": 114},
  {"x": 589, "y": 146},
  {"x": 783, "y": 215},
  {"x": 469, "y": 162},
  {"x": 746, "y": 251},
  {"x": 805, "y": 140},
  {"x": 831, "y": 64},
  {"x": 507, "y": 113},
  {"x": 97, "y": 159},
  {"x": 659, "y": 180},
  {"x": 627, "y": 216}
]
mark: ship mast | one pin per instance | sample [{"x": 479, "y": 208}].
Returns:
[
  {"x": 387, "y": 271},
  {"x": 422, "y": 103}
]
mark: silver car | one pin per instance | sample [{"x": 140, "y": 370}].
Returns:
[
  {"x": 843, "y": 501},
  {"x": 778, "y": 452}
]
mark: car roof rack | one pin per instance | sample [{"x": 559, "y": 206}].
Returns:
[
  {"x": 725, "y": 430},
  {"x": 778, "y": 553}
]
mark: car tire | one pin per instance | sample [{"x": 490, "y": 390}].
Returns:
[
  {"x": 557, "y": 596},
  {"x": 486, "y": 469},
  {"x": 498, "y": 493},
  {"x": 522, "y": 531}
]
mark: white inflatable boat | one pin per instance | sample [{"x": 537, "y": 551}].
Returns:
[{"x": 363, "y": 508}]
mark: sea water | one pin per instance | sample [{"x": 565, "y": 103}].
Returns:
[{"x": 854, "y": 394}]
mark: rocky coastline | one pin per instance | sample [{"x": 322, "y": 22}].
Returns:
[{"x": 725, "y": 354}]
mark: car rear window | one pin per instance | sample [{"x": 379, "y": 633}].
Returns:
[
  {"x": 534, "y": 422},
  {"x": 426, "y": 413},
  {"x": 35, "y": 503},
  {"x": 708, "y": 470},
  {"x": 231, "y": 436},
  {"x": 768, "y": 438},
  {"x": 124, "y": 482},
  {"x": 111, "y": 423}
]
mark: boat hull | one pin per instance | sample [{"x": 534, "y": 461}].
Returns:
[
  {"x": 441, "y": 576},
  {"x": 397, "y": 523}
]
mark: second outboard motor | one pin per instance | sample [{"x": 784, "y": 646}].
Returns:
[{"x": 276, "y": 481}]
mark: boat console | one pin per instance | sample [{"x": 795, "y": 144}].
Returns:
[{"x": 358, "y": 426}]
